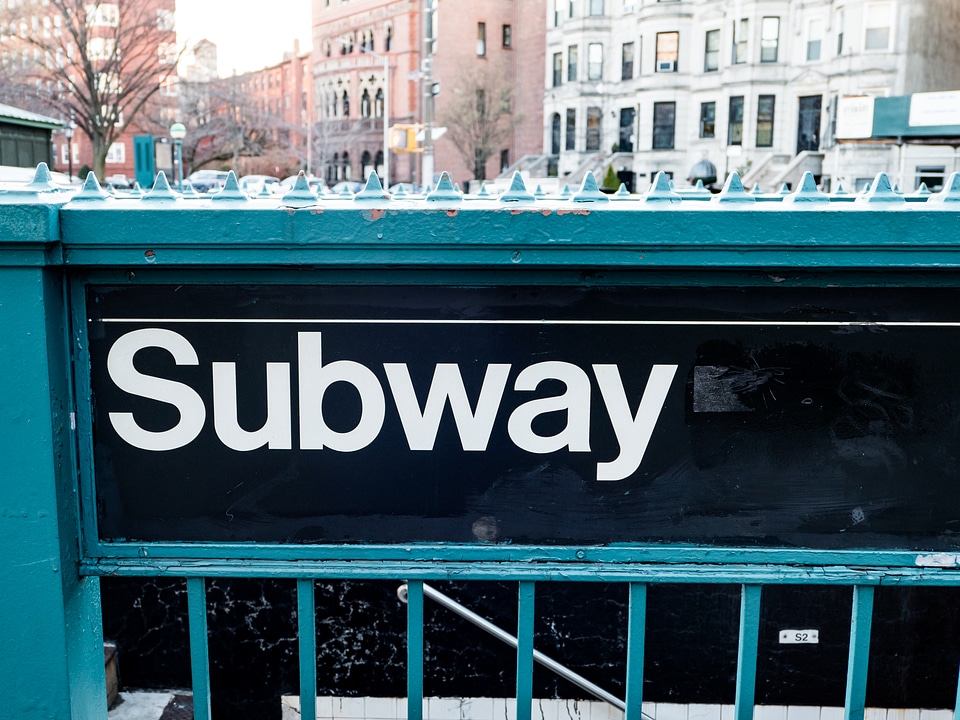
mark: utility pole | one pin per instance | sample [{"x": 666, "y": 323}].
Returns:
[{"x": 426, "y": 66}]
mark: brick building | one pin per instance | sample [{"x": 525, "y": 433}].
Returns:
[{"x": 498, "y": 37}]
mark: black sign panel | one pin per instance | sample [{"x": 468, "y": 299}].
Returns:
[{"x": 821, "y": 418}]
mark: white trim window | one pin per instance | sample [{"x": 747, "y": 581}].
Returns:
[
  {"x": 814, "y": 39},
  {"x": 877, "y": 26},
  {"x": 103, "y": 15},
  {"x": 117, "y": 154}
]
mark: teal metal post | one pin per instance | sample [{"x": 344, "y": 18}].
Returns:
[
  {"x": 636, "y": 633},
  {"x": 858, "y": 659},
  {"x": 199, "y": 654},
  {"x": 307, "y": 632},
  {"x": 525, "y": 614},
  {"x": 51, "y": 638},
  {"x": 415, "y": 650},
  {"x": 747, "y": 651}
]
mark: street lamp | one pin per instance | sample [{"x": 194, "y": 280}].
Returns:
[
  {"x": 178, "y": 132},
  {"x": 68, "y": 130},
  {"x": 386, "y": 109}
]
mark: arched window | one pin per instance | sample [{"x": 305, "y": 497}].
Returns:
[
  {"x": 388, "y": 38},
  {"x": 346, "y": 104},
  {"x": 378, "y": 104},
  {"x": 365, "y": 167},
  {"x": 555, "y": 134},
  {"x": 326, "y": 48},
  {"x": 345, "y": 165},
  {"x": 334, "y": 171},
  {"x": 365, "y": 104},
  {"x": 378, "y": 167}
]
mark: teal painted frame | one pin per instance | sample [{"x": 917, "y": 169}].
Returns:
[{"x": 809, "y": 241}]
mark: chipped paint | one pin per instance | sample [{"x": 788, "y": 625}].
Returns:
[{"x": 942, "y": 560}]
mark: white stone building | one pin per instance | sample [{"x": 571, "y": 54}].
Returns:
[{"x": 749, "y": 85}]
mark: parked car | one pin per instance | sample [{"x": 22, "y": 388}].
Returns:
[
  {"x": 350, "y": 185},
  {"x": 316, "y": 183},
  {"x": 408, "y": 188},
  {"x": 254, "y": 184},
  {"x": 118, "y": 182},
  {"x": 206, "y": 180}
]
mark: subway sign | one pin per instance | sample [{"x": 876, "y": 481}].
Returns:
[{"x": 811, "y": 417}]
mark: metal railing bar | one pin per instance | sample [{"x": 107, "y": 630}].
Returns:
[
  {"x": 307, "y": 635},
  {"x": 505, "y": 637},
  {"x": 199, "y": 654},
  {"x": 525, "y": 617},
  {"x": 636, "y": 633},
  {"x": 747, "y": 651},
  {"x": 859, "y": 656},
  {"x": 414, "y": 594},
  {"x": 956, "y": 704}
]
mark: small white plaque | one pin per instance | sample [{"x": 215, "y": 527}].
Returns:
[{"x": 799, "y": 637}]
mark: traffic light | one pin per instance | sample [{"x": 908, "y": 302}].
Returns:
[{"x": 403, "y": 138}]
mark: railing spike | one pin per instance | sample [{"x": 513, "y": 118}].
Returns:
[
  {"x": 373, "y": 190},
  {"x": 733, "y": 192},
  {"x": 518, "y": 191},
  {"x": 589, "y": 191},
  {"x": 91, "y": 191},
  {"x": 807, "y": 192},
  {"x": 950, "y": 192},
  {"x": 660, "y": 191},
  {"x": 231, "y": 191},
  {"x": 445, "y": 190},
  {"x": 300, "y": 195},
  {"x": 161, "y": 191},
  {"x": 881, "y": 192}
]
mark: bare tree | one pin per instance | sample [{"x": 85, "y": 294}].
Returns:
[
  {"x": 478, "y": 115},
  {"x": 97, "y": 63}
]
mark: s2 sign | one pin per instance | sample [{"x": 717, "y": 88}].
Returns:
[{"x": 391, "y": 414}]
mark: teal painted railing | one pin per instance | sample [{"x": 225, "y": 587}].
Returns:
[{"x": 54, "y": 245}]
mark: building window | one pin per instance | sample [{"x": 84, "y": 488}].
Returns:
[
  {"x": 570, "y": 142},
  {"x": 388, "y": 39},
  {"x": 594, "y": 117},
  {"x": 877, "y": 23},
  {"x": 504, "y": 159},
  {"x": 507, "y": 36},
  {"x": 932, "y": 176},
  {"x": 735, "y": 129},
  {"x": 346, "y": 104},
  {"x": 765, "y": 105},
  {"x": 708, "y": 119},
  {"x": 555, "y": 134},
  {"x": 595, "y": 61},
  {"x": 664, "y": 122},
  {"x": 741, "y": 29},
  {"x": 378, "y": 109},
  {"x": 626, "y": 62},
  {"x": 668, "y": 47},
  {"x": 572, "y": 53},
  {"x": 596, "y": 7},
  {"x": 117, "y": 154},
  {"x": 711, "y": 52},
  {"x": 166, "y": 20},
  {"x": 841, "y": 23},
  {"x": 481, "y": 38},
  {"x": 769, "y": 39},
  {"x": 556, "y": 13},
  {"x": 365, "y": 104},
  {"x": 557, "y": 69},
  {"x": 814, "y": 38},
  {"x": 572, "y": 8}
]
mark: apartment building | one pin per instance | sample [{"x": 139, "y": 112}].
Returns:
[
  {"x": 502, "y": 38},
  {"x": 751, "y": 86}
]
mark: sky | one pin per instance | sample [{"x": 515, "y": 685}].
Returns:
[{"x": 249, "y": 34}]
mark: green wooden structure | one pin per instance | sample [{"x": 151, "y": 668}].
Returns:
[{"x": 56, "y": 246}]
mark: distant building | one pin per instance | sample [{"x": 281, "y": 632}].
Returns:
[
  {"x": 746, "y": 85},
  {"x": 351, "y": 102}
]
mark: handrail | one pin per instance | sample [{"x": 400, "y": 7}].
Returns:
[{"x": 502, "y": 635}]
